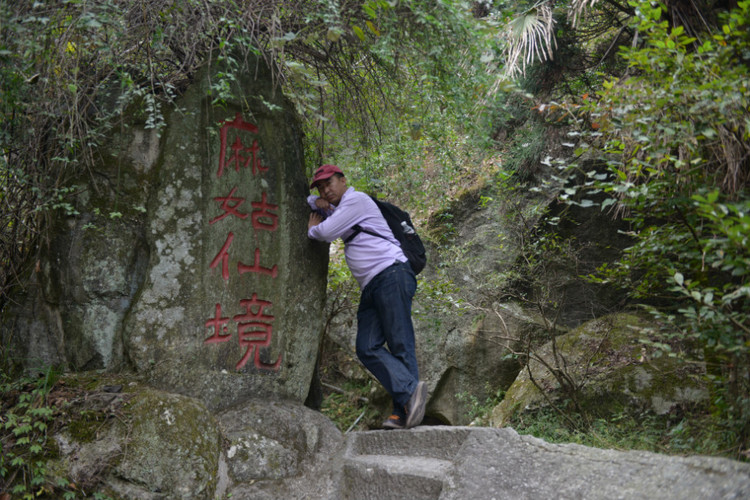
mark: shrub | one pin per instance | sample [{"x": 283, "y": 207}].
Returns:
[{"x": 675, "y": 134}]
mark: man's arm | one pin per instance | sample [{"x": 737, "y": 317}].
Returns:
[
  {"x": 319, "y": 204},
  {"x": 340, "y": 219}
]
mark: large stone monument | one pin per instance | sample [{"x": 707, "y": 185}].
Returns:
[{"x": 203, "y": 279}]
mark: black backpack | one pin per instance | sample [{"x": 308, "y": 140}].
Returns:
[{"x": 403, "y": 230}]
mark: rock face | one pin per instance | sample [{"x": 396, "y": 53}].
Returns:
[
  {"x": 278, "y": 449},
  {"x": 511, "y": 255},
  {"x": 230, "y": 305},
  {"x": 186, "y": 257},
  {"x": 474, "y": 357}
]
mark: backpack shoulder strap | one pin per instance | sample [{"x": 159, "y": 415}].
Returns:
[{"x": 359, "y": 229}]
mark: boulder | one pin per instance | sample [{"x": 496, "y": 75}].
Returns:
[
  {"x": 278, "y": 449},
  {"x": 126, "y": 439},
  {"x": 185, "y": 255},
  {"x": 472, "y": 332},
  {"x": 474, "y": 358},
  {"x": 161, "y": 445},
  {"x": 231, "y": 305},
  {"x": 607, "y": 368}
]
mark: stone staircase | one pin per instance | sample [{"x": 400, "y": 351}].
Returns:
[
  {"x": 458, "y": 463},
  {"x": 414, "y": 464}
]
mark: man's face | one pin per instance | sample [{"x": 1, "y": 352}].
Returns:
[{"x": 332, "y": 189}]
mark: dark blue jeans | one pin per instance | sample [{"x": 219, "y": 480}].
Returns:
[{"x": 384, "y": 318}]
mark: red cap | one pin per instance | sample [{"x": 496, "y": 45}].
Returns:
[{"x": 324, "y": 172}]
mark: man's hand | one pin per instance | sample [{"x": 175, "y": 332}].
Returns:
[
  {"x": 314, "y": 220},
  {"x": 323, "y": 204}
]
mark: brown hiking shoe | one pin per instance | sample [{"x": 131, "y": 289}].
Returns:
[{"x": 394, "y": 422}]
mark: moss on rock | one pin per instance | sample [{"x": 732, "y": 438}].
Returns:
[
  {"x": 609, "y": 371},
  {"x": 173, "y": 445},
  {"x": 132, "y": 441}
]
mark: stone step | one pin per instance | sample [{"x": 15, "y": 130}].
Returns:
[
  {"x": 397, "y": 464},
  {"x": 383, "y": 477},
  {"x": 431, "y": 442}
]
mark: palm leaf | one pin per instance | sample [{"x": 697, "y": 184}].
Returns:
[{"x": 529, "y": 36}]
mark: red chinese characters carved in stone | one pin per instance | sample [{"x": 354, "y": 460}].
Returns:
[
  {"x": 256, "y": 268},
  {"x": 239, "y": 157},
  {"x": 255, "y": 330},
  {"x": 239, "y": 150},
  {"x": 230, "y": 205},
  {"x": 223, "y": 257},
  {"x": 262, "y": 216},
  {"x": 254, "y": 159},
  {"x": 219, "y": 326}
]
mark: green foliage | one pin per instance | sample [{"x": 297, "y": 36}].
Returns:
[
  {"x": 436, "y": 299},
  {"x": 526, "y": 150},
  {"x": 550, "y": 45},
  {"x": 25, "y": 446},
  {"x": 349, "y": 407},
  {"x": 480, "y": 410},
  {"x": 672, "y": 434},
  {"x": 406, "y": 135},
  {"x": 32, "y": 411},
  {"x": 439, "y": 297},
  {"x": 675, "y": 135}
]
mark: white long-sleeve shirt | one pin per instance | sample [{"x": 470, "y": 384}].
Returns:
[{"x": 366, "y": 255}]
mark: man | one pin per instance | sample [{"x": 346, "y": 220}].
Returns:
[{"x": 387, "y": 285}]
